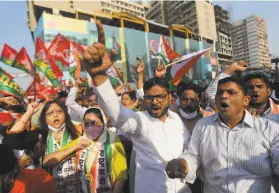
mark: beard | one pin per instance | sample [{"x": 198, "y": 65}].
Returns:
[{"x": 158, "y": 116}]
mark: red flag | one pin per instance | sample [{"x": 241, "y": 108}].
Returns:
[
  {"x": 8, "y": 55},
  {"x": 51, "y": 90},
  {"x": 79, "y": 49},
  {"x": 60, "y": 48},
  {"x": 42, "y": 54},
  {"x": 23, "y": 62},
  {"x": 54, "y": 67},
  {"x": 39, "y": 88}
]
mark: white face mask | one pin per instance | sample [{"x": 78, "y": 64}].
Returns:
[
  {"x": 188, "y": 116},
  {"x": 56, "y": 130}
]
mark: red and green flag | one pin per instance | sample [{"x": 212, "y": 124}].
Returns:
[
  {"x": 8, "y": 87},
  {"x": 8, "y": 55},
  {"x": 6, "y": 73},
  {"x": 42, "y": 63},
  {"x": 23, "y": 62}
]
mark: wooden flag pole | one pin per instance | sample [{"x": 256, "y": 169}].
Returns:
[{"x": 34, "y": 83}]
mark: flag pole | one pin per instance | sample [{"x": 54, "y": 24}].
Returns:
[{"x": 34, "y": 83}]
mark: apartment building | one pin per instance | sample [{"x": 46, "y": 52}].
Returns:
[
  {"x": 224, "y": 43},
  {"x": 69, "y": 8},
  {"x": 249, "y": 41}
]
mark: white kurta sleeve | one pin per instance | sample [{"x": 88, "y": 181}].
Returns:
[
  {"x": 72, "y": 104},
  {"x": 124, "y": 118},
  {"x": 140, "y": 93}
]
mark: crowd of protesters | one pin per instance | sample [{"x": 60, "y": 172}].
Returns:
[{"x": 104, "y": 139}]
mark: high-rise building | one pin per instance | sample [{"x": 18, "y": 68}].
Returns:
[
  {"x": 69, "y": 8},
  {"x": 198, "y": 15},
  {"x": 224, "y": 43},
  {"x": 157, "y": 12},
  {"x": 249, "y": 41}
]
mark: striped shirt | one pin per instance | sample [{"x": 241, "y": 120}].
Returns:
[{"x": 241, "y": 160}]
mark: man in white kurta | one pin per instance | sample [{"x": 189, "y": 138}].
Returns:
[{"x": 155, "y": 142}]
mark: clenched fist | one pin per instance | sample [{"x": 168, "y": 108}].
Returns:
[
  {"x": 96, "y": 59},
  {"x": 177, "y": 168}
]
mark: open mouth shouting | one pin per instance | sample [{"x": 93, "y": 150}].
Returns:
[
  {"x": 224, "y": 106},
  {"x": 56, "y": 122},
  {"x": 255, "y": 97},
  {"x": 155, "y": 109}
]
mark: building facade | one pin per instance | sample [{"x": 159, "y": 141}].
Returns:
[
  {"x": 69, "y": 8},
  {"x": 198, "y": 15},
  {"x": 224, "y": 43},
  {"x": 157, "y": 12},
  {"x": 249, "y": 37}
]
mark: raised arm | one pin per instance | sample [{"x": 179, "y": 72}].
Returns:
[
  {"x": 71, "y": 100},
  {"x": 140, "y": 71},
  {"x": 229, "y": 71},
  {"x": 20, "y": 125},
  {"x": 97, "y": 61}
]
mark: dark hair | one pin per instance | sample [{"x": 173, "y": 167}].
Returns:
[
  {"x": 258, "y": 75},
  {"x": 162, "y": 82},
  {"x": 68, "y": 123},
  {"x": 8, "y": 159},
  {"x": 62, "y": 94},
  {"x": 182, "y": 86},
  {"x": 95, "y": 111},
  {"x": 236, "y": 81},
  {"x": 79, "y": 98},
  {"x": 132, "y": 95}
]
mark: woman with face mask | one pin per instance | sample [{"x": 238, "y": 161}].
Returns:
[
  {"x": 57, "y": 131},
  {"x": 102, "y": 165}
]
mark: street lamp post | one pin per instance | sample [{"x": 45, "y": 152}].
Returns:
[{"x": 276, "y": 61}]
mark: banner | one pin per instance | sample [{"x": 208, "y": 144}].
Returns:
[{"x": 8, "y": 55}]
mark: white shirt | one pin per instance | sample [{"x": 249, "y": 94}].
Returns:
[
  {"x": 75, "y": 111},
  {"x": 238, "y": 160},
  {"x": 155, "y": 142}
]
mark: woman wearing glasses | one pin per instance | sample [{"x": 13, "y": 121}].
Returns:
[{"x": 57, "y": 130}]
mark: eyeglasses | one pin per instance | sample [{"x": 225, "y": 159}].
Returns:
[
  {"x": 160, "y": 98},
  {"x": 92, "y": 123},
  {"x": 50, "y": 113}
]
